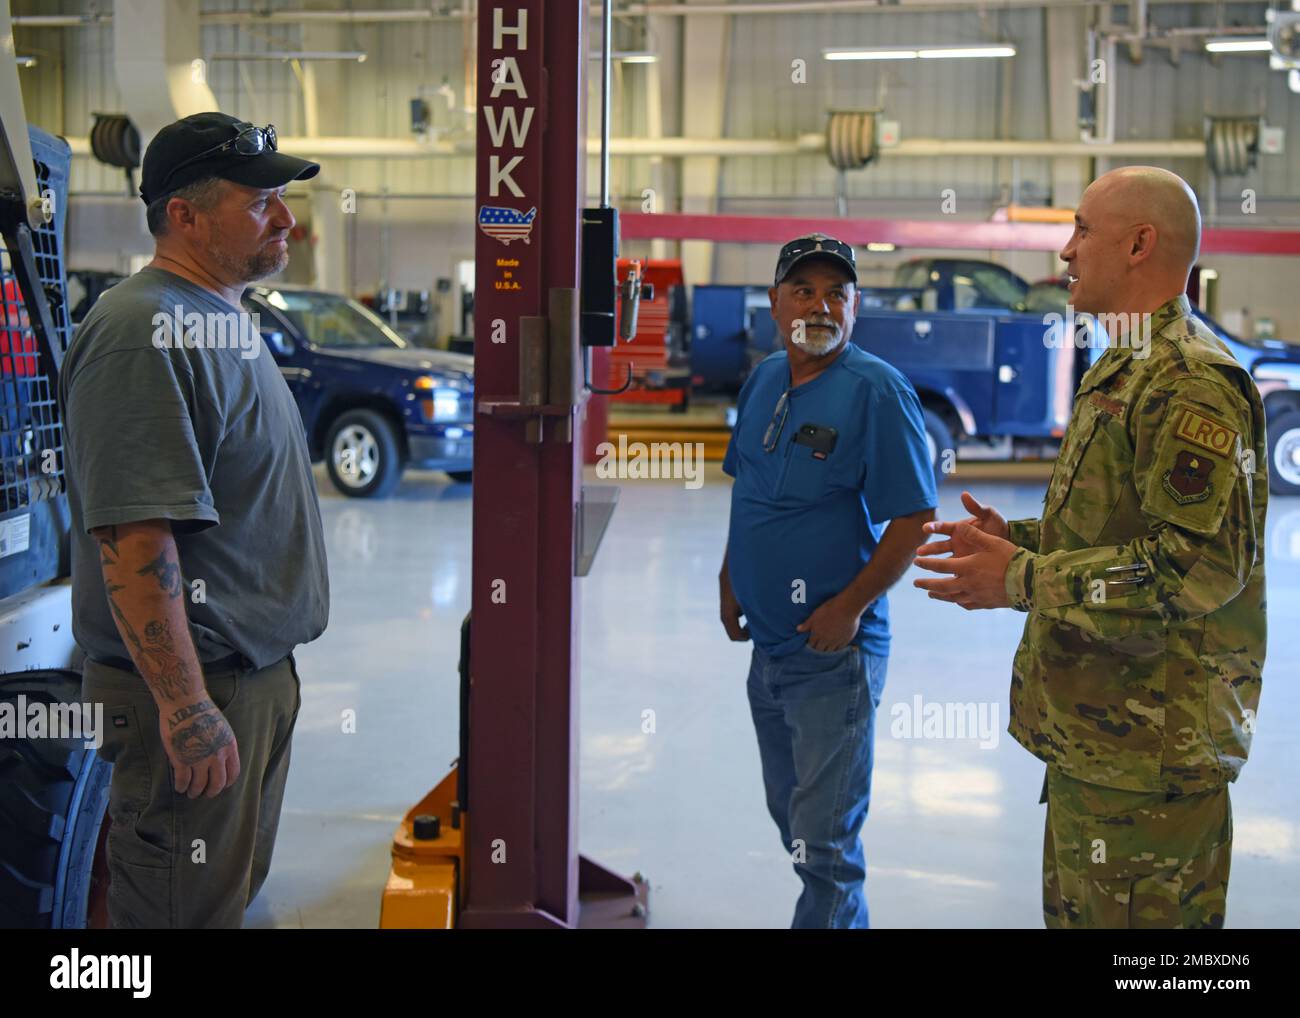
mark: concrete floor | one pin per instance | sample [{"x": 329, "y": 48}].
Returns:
[{"x": 954, "y": 836}]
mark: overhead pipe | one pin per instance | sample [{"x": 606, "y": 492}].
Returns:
[{"x": 410, "y": 148}]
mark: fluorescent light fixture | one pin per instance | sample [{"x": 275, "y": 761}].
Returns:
[
  {"x": 1238, "y": 45},
  {"x": 275, "y": 54},
  {"x": 921, "y": 52},
  {"x": 889, "y": 53},
  {"x": 881, "y": 246},
  {"x": 952, "y": 52},
  {"x": 629, "y": 56}
]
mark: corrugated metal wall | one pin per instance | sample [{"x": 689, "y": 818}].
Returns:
[
  {"x": 933, "y": 99},
  {"x": 985, "y": 99}
]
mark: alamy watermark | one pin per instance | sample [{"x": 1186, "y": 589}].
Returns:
[
  {"x": 945, "y": 720},
  {"x": 1098, "y": 332},
  {"x": 680, "y": 461},
  {"x": 36, "y": 719},
  {"x": 213, "y": 330}
]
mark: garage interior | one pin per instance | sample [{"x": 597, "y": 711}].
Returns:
[{"x": 940, "y": 134}]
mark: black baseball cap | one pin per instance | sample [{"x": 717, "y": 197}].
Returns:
[
  {"x": 170, "y": 163},
  {"x": 815, "y": 245}
]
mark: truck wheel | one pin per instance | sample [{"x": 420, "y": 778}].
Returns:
[
  {"x": 939, "y": 440},
  {"x": 363, "y": 455},
  {"x": 1284, "y": 453},
  {"x": 53, "y": 795}
]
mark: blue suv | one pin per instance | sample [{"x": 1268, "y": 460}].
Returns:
[{"x": 372, "y": 404}]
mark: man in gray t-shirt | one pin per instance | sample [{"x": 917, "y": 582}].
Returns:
[{"x": 198, "y": 555}]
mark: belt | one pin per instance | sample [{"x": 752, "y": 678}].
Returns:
[{"x": 231, "y": 662}]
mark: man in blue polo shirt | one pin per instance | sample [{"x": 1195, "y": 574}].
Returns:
[{"x": 833, "y": 483}]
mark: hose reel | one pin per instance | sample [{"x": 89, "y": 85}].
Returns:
[
  {"x": 1232, "y": 145},
  {"x": 851, "y": 138},
  {"x": 115, "y": 142}
]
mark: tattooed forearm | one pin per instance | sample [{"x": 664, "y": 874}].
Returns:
[
  {"x": 187, "y": 712},
  {"x": 202, "y": 737},
  {"x": 167, "y": 573},
  {"x": 150, "y": 614}
]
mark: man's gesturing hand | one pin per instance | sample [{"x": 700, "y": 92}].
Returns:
[
  {"x": 201, "y": 747},
  {"x": 982, "y": 517},
  {"x": 978, "y": 565}
]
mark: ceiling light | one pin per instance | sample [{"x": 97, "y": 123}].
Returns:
[
  {"x": 629, "y": 56},
  {"x": 358, "y": 55},
  {"x": 946, "y": 52},
  {"x": 923, "y": 52},
  {"x": 1238, "y": 45},
  {"x": 890, "y": 53},
  {"x": 881, "y": 246}
]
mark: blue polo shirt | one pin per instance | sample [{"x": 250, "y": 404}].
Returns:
[{"x": 798, "y": 517}]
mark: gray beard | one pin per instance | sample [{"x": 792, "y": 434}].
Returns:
[{"x": 817, "y": 346}]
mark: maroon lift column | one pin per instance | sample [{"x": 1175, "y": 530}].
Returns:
[{"x": 522, "y": 868}]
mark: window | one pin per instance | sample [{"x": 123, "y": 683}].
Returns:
[{"x": 329, "y": 320}]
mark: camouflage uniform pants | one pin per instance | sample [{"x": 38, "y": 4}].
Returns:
[{"x": 1115, "y": 859}]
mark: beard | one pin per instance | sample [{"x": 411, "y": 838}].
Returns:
[
  {"x": 820, "y": 342},
  {"x": 267, "y": 261}
]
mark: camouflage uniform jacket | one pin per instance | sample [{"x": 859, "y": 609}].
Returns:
[{"x": 1140, "y": 665}]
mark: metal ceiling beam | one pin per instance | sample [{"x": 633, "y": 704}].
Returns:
[{"x": 904, "y": 233}]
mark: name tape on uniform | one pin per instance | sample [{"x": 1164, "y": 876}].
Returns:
[{"x": 1207, "y": 433}]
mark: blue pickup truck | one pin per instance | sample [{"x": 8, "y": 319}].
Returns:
[
  {"x": 970, "y": 337},
  {"x": 372, "y": 403}
]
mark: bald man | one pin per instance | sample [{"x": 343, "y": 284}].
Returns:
[{"x": 1138, "y": 676}]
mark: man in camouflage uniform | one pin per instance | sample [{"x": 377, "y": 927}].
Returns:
[{"x": 1138, "y": 676}]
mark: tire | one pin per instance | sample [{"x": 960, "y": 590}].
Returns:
[
  {"x": 53, "y": 796},
  {"x": 1284, "y": 453},
  {"x": 368, "y": 441},
  {"x": 461, "y": 476},
  {"x": 939, "y": 439}
]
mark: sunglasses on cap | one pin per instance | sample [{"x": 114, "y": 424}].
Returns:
[
  {"x": 250, "y": 141},
  {"x": 809, "y": 245},
  {"x": 815, "y": 244}
]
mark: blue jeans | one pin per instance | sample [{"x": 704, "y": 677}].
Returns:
[{"x": 815, "y": 716}]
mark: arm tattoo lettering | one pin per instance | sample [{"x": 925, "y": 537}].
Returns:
[{"x": 190, "y": 711}]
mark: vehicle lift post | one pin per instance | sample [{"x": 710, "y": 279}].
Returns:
[{"x": 495, "y": 844}]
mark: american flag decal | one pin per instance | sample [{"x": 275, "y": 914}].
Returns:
[{"x": 505, "y": 224}]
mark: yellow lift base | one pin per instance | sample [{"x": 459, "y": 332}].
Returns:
[{"x": 423, "y": 884}]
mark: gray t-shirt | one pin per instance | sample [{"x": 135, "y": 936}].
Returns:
[{"x": 158, "y": 425}]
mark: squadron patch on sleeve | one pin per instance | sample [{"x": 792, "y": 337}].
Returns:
[{"x": 1188, "y": 480}]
